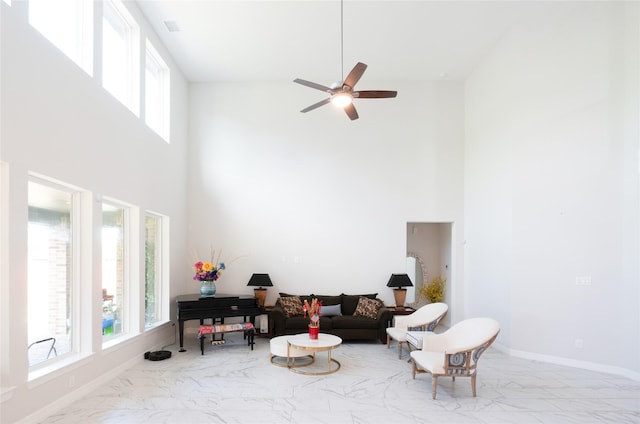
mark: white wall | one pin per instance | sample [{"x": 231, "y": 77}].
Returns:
[
  {"x": 316, "y": 200},
  {"x": 58, "y": 121},
  {"x": 551, "y": 187},
  {"x": 550, "y": 175}
]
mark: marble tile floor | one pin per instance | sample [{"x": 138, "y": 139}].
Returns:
[{"x": 232, "y": 384}]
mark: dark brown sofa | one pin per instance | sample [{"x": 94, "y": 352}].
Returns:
[{"x": 345, "y": 325}]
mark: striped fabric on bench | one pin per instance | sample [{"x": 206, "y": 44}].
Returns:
[{"x": 246, "y": 327}]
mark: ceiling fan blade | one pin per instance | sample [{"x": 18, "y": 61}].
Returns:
[
  {"x": 313, "y": 85},
  {"x": 315, "y": 105},
  {"x": 374, "y": 94},
  {"x": 355, "y": 75},
  {"x": 350, "y": 109}
]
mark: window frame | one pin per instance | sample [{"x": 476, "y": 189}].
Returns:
[
  {"x": 163, "y": 88},
  {"x": 78, "y": 310},
  {"x": 130, "y": 304},
  {"x": 81, "y": 53},
  {"x": 114, "y": 11},
  {"x": 162, "y": 272}
]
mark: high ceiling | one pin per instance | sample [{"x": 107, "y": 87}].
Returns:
[{"x": 241, "y": 40}]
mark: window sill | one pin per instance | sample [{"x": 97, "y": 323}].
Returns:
[
  {"x": 48, "y": 372},
  {"x": 118, "y": 341},
  {"x": 156, "y": 326}
]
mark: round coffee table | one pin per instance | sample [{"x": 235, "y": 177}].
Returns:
[
  {"x": 280, "y": 351},
  {"x": 324, "y": 343}
]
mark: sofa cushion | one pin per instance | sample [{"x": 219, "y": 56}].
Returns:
[
  {"x": 289, "y": 295},
  {"x": 292, "y": 306},
  {"x": 350, "y": 302},
  {"x": 330, "y": 310},
  {"x": 298, "y": 322},
  {"x": 302, "y": 323},
  {"x": 308, "y": 297},
  {"x": 350, "y": 322},
  {"x": 329, "y": 300},
  {"x": 367, "y": 308}
]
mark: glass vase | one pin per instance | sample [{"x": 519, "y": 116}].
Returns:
[
  {"x": 207, "y": 288},
  {"x": 314, "y": 330}
]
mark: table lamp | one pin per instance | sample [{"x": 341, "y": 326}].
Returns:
[
  {"x": 399, "y": 281},
  {"x": 260, "y": 280}
]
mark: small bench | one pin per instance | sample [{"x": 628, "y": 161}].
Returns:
[{"x": 246, "y": 327}]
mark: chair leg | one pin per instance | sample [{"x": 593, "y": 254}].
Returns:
[
  {"x": 415, "y": 369},
  {"x": 434, "y": 384},
  {"x": 473, "y": 384},
  {"x": 399, "y": 349},
  {"x": 388, "y": 341}
]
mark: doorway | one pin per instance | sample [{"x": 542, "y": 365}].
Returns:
[{"x": 429, "y": 255}]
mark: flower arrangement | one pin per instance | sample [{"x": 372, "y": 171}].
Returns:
[
  {"x": 313, "y": 310},
  {"x": 209, "y": 270},
  {"x": 434, "y": 291},
  {"x": 206, "y": 271}
]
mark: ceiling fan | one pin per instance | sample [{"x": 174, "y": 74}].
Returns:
[{"x": 342, "y": 93}]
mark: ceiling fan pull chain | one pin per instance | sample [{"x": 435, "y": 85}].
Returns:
[{"x": 341, "y": 41}]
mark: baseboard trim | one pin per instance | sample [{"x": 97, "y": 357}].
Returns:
[
  {"x": 44, "y": 413},
  {"x": 591, "y": 366}
]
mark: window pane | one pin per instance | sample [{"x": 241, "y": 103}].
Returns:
[
  {"x": 153, "y": 270},
  {"x": 113, "y": 271},
  {"x": 50, "y": 325},
  {"x": 68, "y": 24},
  {"x": 114, "y": 57},
  {"x": 156, "y": 92},
  {"x": 119, "y": 55}
]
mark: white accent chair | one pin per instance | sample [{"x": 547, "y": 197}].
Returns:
[
  {"x": 455, "y": 352},
  {"x": 425, "y": 318}
]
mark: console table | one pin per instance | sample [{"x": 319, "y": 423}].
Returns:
[{"x": 220, "y": 306}]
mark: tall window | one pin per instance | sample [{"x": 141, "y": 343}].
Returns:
[
  {"x": 114, "y": 272},
  {"x": 153, "y": 269},
  {"x": 52, "y": 328},
  {"x": 121, "y": 54},
  {"x": 156, "y": 88},
  {"x": 68, "y": 24}
]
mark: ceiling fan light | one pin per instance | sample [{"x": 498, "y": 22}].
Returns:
[{"x": 341, "y": 99}]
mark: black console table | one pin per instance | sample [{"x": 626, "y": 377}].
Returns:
[{"x": 193, "y": 306}]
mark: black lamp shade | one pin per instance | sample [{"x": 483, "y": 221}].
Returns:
[
  {"x": 399, "y": 280},
  {"x": 260, "y": 280}
]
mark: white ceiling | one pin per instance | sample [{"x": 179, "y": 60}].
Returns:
[{"x": 241, "y": 40}]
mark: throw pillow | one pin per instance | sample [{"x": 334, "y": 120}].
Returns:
[
  {"x": 292, "y": 306},
  {"x": 350, "y": 302},
  {"x": 330, "y": 311},
  {"x": 367, "y": 308}
]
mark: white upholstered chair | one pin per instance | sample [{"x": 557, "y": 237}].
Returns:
[
  {"x": 425, "y": 318},
  {"x": 455, "y": 352}
]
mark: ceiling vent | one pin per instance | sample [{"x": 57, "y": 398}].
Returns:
[{"x": 172, "y": 26}]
